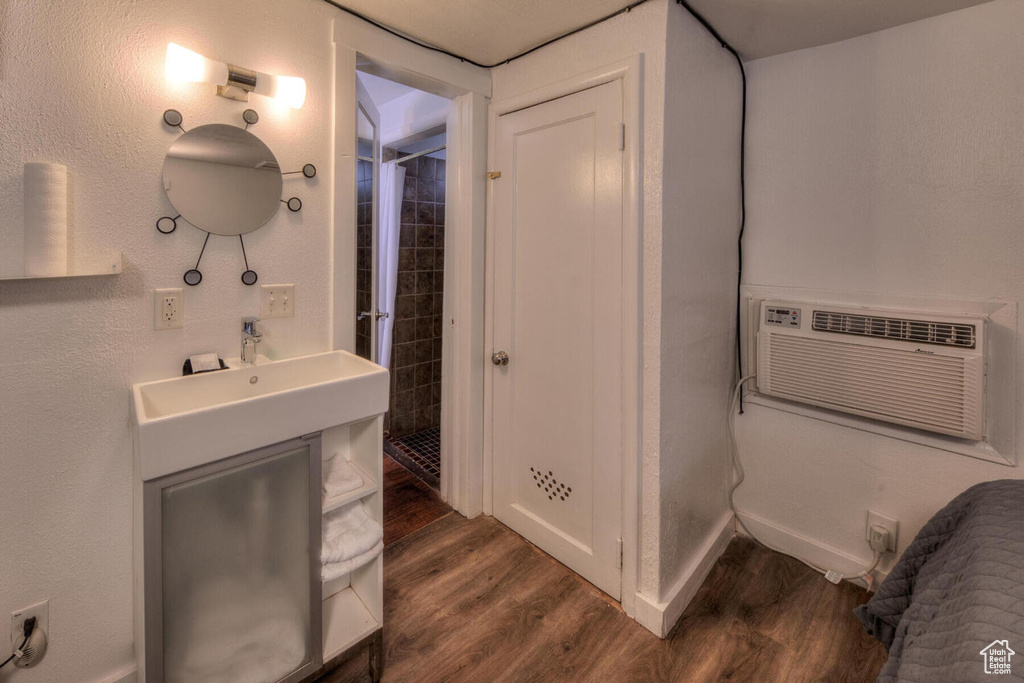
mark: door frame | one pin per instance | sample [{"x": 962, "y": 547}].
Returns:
[
  {"x": 359, "y": 45},
  {"x": 630, "y": 72}
]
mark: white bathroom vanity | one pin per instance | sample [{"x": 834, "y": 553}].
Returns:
[{"x": 229, "y": 516}]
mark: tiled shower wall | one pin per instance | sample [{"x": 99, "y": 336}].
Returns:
[
  {"x": 364, "y": 253},
  {"x": 416, "y": 355}
]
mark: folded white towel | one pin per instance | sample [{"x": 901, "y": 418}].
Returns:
[
  {"x": 340, "y": 477},
  {"x": 348, "y": 532},
  {"x": 333, "y": 570}
]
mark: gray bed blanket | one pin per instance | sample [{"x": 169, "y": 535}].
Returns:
[{"x": 957, "y": 590}]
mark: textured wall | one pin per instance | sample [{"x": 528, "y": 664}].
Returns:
[
  {"x": 703, "y": 100},
  {"x": 893, "y": 162},
  {"x": 82, "y": 84}
]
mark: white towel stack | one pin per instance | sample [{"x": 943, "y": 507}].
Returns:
[
  {"x": 351, "y": 539},
  {"x": 340, "y": 477}
]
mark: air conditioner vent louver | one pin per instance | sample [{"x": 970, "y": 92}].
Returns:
[{"x": 919, "y": 331}]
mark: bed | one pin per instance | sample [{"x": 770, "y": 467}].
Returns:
[{"x": 952, "y": 608}]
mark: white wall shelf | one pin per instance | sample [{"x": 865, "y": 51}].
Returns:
[{"x": 96, "y": 268}]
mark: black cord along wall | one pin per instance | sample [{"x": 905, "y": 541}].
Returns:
[{"x": 743, "y": 117}]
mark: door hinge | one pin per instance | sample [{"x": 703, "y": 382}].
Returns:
[
  {"x": 620, "y": 554},
  {"x": 493, "y": 175},
  {"x": 622, "y": 139}
]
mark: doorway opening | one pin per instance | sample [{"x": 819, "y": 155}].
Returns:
[{"x": 400, "y": 265}]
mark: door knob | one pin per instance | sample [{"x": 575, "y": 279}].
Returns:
[{"x": 499, "y": 358}]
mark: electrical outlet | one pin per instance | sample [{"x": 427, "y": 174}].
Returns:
[
  {"x": 881, "y": 520},
  {"x": 40, "y": 610},
  {"x": 168, "y": 309},
  {"x": 277, "y": 301}
]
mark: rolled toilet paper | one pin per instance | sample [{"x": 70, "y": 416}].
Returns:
[{"x": 46, "y": 220}]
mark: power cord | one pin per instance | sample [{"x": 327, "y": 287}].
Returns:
[
  {"x": 433, "y": 48},
  {"x": 831, "y": 575},
  {"x": 743, "y": 173},
  {"x": 29, "y": 626}
]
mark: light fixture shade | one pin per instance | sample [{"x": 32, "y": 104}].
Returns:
[
  {"x": 183, "y": 64},
  {"x": 187, "y": 66},
  {"x": 289, "y": 90}
]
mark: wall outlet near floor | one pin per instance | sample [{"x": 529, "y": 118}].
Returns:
[
  {"x": 168, "y": 309},
  {"x": 277, "y": 301},
  {"x": 40, "y": 610},
  {"x": 888, "y": 523}
]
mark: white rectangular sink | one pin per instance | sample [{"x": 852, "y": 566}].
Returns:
[{"x": 189, "y": 421}]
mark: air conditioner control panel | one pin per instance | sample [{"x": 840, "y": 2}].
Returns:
[{"x": 785, "y": 317}]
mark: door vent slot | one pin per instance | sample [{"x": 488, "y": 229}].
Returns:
[
  {"x": 551, "y": 487},
  {"x": 918, "y": 331}
]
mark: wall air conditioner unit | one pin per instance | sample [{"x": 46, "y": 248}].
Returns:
[{"x": 919, "y": 370}]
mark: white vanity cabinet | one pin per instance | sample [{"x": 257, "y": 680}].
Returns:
[
  {"x": 227, "y": 543},
  {"x": 231, "y": 561}
]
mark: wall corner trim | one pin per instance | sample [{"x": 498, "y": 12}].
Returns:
[{"x": 659, "y": 617}]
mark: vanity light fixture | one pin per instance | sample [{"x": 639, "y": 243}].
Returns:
[{"x": 232, "y": 81}]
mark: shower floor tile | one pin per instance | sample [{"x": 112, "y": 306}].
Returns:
[{"x": 420, "y": 453}]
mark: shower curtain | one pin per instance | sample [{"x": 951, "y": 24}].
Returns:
[{"x": 392, "y": 184}]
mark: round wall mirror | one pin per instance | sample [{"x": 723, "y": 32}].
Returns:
[{"x": 222, "y": 179}]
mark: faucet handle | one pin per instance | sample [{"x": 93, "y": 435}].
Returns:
[{"x": 249, "y": 324}]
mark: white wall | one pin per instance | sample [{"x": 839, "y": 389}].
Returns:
[
  {"x": 82, "y": 84},
  {"x": 893, "y": 162},
  {"x": 700, "y": 225}
]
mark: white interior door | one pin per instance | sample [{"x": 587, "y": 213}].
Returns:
[{"x": 557, "y": 402}]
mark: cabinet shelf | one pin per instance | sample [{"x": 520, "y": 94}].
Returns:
[
  {"x": 342, "y": 499},
  {"x": 346, "y": 621},
  {"x": 96, "y": 268}
]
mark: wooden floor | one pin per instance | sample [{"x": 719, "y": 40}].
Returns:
[
  {"x": 469, "y": 600},
  {"x": 409, "y": 504}
]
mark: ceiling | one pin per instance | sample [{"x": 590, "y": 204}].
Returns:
[
  {"x": 381, "y": 90},
  {"x": 490, "y": 31},
  {"x": 486, "y": 31},
  {"x": 761, "y": 28}
]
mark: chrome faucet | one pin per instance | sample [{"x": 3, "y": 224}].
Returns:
[{"x": 250, "y": 339}]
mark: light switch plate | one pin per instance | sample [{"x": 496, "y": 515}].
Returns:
[
  {"x": 277, "y": 301},
  {"x": 168, "y": 309}
]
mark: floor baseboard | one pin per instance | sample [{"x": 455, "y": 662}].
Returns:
[
  {"x": 660, "y": 617},
  {"x": 808, "y": 549},
  {"x": 126, "y": 675}
]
